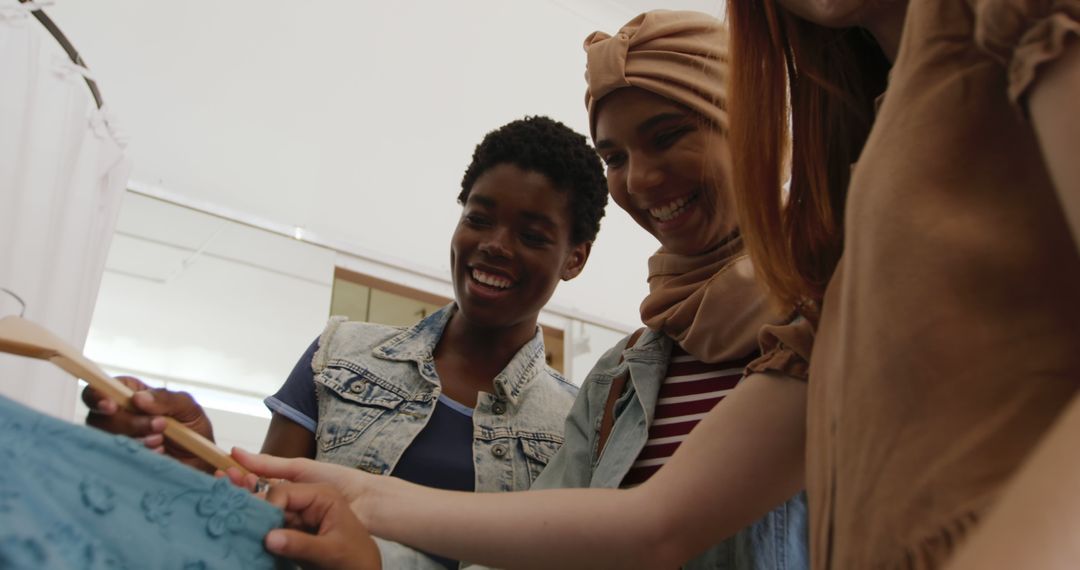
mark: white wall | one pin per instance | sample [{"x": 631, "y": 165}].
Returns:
[
  {"x": 352, "y": 119},
  {"x": 190, "y": 297}
]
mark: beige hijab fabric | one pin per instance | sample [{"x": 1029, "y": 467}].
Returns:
[
  {"x": 710, "y": 304},
  {"x": 679, "y": 55}
]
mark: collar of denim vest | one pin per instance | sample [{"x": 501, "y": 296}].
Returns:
[
  {"x": 652, "y": 346},
  {"x": 417, "y": 344}
]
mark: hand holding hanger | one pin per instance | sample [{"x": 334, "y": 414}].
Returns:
[
  {"x": 145, "y": 418},
  {"x": 24, "y": 338}
]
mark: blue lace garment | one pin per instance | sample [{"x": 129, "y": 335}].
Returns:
[{"x": 74, "y": 497}]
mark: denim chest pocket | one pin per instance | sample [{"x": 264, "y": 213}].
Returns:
[
  {"x": 538, "y": 452},
  {"x": 350, "y": 403}
]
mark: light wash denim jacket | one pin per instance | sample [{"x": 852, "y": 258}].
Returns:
[
  {"x": 776, "y": 542},
  {"x": 376, "y": 387}
]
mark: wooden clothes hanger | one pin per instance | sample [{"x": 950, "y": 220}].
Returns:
[{"x": 24, "y": 338}]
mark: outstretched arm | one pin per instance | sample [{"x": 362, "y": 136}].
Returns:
[
  {"x": 1056, "y": 117},
  {"x": 146, "y": 422},
  {"x": 742, "y": 460},
  {"x": 1037, "y": 520}
]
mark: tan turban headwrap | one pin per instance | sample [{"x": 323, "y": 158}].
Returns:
[
  {"x": 711, "y": 304},
  {"x": 680, "y": 55}
]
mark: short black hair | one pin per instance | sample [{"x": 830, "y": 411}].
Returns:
[{"x": 546, "y": 146}]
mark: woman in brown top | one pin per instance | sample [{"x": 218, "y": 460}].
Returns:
[{"x": 948, "y": 347}]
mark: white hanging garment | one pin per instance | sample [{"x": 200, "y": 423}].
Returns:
[{"x": 62, "y": 175}]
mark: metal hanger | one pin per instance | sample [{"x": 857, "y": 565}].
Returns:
[{"x": 65, "y": 43}]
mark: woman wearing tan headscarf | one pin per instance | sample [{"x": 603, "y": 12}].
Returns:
[{"x": 658, "y": 117}]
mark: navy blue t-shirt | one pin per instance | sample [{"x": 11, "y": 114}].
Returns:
[
  {"x": 440, "y": 456},
  {"x": 296, "y": 398}
]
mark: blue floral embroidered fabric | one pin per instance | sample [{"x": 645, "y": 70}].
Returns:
[{"x": 76, "y": 498}]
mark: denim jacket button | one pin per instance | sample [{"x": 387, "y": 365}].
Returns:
[
  {"x": 498, "y": 408},
  {"x": 356, "y": 388},
  {"x": 499, "y": 450}
]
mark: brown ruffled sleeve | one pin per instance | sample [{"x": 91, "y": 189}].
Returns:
[
  {"x": 785, "y": 349},
  {"x": 1024, "y": 35}
]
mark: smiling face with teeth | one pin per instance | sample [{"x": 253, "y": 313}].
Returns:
[
  {"x": 666, "y": 168},
  {"x": 511, "y": 248}
]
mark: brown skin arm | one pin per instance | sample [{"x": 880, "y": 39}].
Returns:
[
  {"x": 146, "y": 422},
  {"x": 286, "y": 438}
]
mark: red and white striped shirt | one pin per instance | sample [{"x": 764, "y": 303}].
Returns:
[{"x": 689, "y": 391}]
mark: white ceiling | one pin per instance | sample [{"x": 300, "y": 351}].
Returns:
[{"x": 352, "y": 119}]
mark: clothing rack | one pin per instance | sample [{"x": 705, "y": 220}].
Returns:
[{"x": 65, "y": 43}]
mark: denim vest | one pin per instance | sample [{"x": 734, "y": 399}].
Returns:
[
  {"x": 376, "y": 387},
  {"x": 778, "y": 541}
]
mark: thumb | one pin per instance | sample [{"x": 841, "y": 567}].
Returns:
[{"x": 300, "y": 546}]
